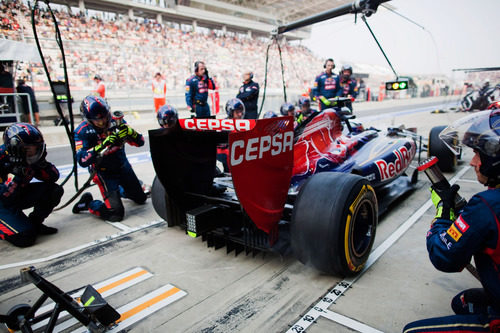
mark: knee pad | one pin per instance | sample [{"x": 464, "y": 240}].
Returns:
[
  {"x": 116, "y": 211},
  {"x": 23, "y": 239}
]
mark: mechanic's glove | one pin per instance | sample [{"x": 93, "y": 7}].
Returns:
[
  {"x": 110, "y": 140},
  {"x": 126, "y": 132},
  {"x": 444, "y": 201},
  {"x": 23, "y": 173},
  {"x": 325, "y": 101}
]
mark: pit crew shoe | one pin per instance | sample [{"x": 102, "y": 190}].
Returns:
[
  {"x": 146, "y": 189},
  {"x": 42, "y": 229},
  {"x": 83, "y": 203}
]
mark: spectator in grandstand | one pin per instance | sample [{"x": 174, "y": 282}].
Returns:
[
  {"x": 197, "y": 90},
  {"x": 22, "y": 87},
  {"x": 326, "y": 85},
  {"x": 100, "y": 89},
  {"x": 249, "y": 94},
  {"x": 159, "y": 91}
]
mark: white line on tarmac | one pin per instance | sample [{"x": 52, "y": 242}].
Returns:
[
  {"x": 321, "y": 308},
  {"x": 81, "y": 247},
  {"x": 119, "y": 225}
]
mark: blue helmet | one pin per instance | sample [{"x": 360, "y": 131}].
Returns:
[
  {"x": 95, "y": 110},
  {"x": 167, "y": 116},
  {"x": 304, "y": 101},
  {"x": 24, "y": 143},
  {"x": 287, "y": 107},
  {"x": 270, "y": 114},
  {"x": 234, "y": 104}
]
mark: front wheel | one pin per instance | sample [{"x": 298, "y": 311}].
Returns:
[{"x": 334, "y": 223}]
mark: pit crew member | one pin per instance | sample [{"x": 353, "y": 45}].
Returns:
[
  {"x": 197, "y": 90},
  {"x": 326, "y": 85},
  {"x": 249, "y": 94},
  {"x": 167, "y": 116},
  {"x": 99, "y": 140},
  {"x": 235, "y": 109},
  {"x": 457, "y": 236},
  {"x": 22, "y": 158}
]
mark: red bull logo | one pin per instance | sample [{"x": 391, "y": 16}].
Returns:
[{"x": 388, "y": 170}]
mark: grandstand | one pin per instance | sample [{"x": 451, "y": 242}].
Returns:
[{"x": 126, "y": 42}]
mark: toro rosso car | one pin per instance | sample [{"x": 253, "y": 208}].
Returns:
[{"x": 317, "y": 189}]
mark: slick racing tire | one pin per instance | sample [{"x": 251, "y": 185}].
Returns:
[
  {"x": 161, "y": 202},
  {"x": 334, "y": 222},
  {"x": 446, "y": 159}
]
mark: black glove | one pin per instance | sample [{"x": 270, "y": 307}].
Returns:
[
  {"x": 444, "y": 200},
  {"x": 23, "y": 172},
  {"x": 206, "y": 73}
]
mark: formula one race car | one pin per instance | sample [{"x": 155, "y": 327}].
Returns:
[{"x": 317, "y": 189}]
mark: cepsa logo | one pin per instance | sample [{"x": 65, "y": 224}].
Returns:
[
  {"x": 202, "y": 124},
  {"x": 388, "y": 170},
  {"x": 258, "y": 147}
]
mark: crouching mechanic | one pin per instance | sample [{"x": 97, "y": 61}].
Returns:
[
  {"x": 235, "y": 109},
  {"x": 454, "y": 237},
  {"x": 305, "y": 109},
  {"x": 100, "y": 144},
  {"x": 22, "y": 158},
  {"x": 167, "y": 116}
]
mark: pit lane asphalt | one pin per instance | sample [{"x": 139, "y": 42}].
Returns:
[{"x": 227, "y": 293}]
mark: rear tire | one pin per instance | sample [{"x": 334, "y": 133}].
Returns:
[
  {"x": 160, "y": 200},
  {"x": 334, "y": 223},
  {"x": 447, "y": 160}
]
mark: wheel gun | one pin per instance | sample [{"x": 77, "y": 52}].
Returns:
[{"x": 439, "y": 181}]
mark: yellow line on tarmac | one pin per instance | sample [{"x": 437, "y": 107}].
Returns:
[
  {"x": 122, "y": 281},
  {"x": 147, "y": 304}
]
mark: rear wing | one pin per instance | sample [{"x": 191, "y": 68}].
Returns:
[{"x": 260, "y": 158}]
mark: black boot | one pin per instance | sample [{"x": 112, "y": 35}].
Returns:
[
  {"x": 83, "y": 203},
  {"x": 42, "y": 229}
]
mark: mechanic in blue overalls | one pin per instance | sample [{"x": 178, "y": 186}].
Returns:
[
  {"x": 454, "y": 237},
  {"x": 326, "y": 85},
  {"x": 347, "y": 84},
  {"x": 305, "y": 109},
  {"x": 22, "y": 158},
  {"x": 235, "y": 109},
  {"x": 197, "y": 90},
  {"x": 249, "y": 95},
  {"x": 100, "y": 142}
]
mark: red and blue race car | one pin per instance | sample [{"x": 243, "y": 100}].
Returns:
[{"x": 316, "y": 190}]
